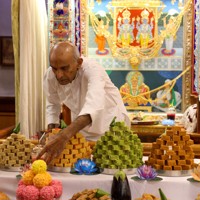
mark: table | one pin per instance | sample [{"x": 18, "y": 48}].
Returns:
[{"x": 175, "y": 188}]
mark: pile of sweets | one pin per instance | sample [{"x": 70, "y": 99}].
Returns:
[
  {"x": 147, "y": 196},
  {"x": 37, "y": 184},
  {"x": 172, "y": 151},
  {"x": 89, "y": 194},
  {"x": 118, "y": 148},
  {"x": 15, "y": 151},
  {"x": 4, "y": 196},
  {"x": 76, "y": 148}
]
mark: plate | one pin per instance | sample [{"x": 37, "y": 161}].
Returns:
[
  {"x": 129, "y": 171},
  {"x": 11, "y": 169},
  {"x": 174, "y": 173},
  {"x": 59, "y": 169},
  {"x": 153, "y": 122}
]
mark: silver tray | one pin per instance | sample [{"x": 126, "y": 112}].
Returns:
[
  {"x": 11, "y": 169},
  {"x": 108, "y": 171},
  {"x": 59, "y": 169},
  {"x": 174, "y": 173}
]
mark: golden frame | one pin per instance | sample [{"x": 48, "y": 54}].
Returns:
[{"x": 187, "y": 49}]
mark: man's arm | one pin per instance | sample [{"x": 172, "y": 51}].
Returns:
[{"x": 56, "y": 145}]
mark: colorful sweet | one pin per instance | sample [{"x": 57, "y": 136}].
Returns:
[
  {"x": 76, "y": 148},
  {"x": 119, "y": 148},
  {"x": 37, "y": 184},
  {"x": 15, "y": 151},
  {"x": 4, "y": 196},
  {"x": 91, "y": 194},
  {"x": 172, "y": 151},
  {"x": 39, "y": 166}
]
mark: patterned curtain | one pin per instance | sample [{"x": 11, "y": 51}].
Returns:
[{"x": 33, "y": 63}]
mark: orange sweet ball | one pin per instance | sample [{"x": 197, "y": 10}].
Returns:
[
  {"x": 3, "y": 196},
  {"x": 28, "y": 177},
  {"x": 41, "y": 180}
]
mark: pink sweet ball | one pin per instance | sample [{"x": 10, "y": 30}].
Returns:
[
  {"x": 56, "y": 182},
  {"x": 31, "y": 193},
  {"x": 21, "y": 182},
  {"x": 19, "y": 192},
  {"x": 58, "y": 190},
  {"x": 47, "y": 193}
]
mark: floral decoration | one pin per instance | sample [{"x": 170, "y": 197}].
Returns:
[
  {"x": 85, "y": 166},
  {"x": 146, "y": 172},
  {"x": 196, "y": 173}
]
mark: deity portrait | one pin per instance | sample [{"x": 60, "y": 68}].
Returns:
[
  {"x": 144, "y": 28},
  {"x": 135, "y": 86},
  {"x": 125, "y": 26}
]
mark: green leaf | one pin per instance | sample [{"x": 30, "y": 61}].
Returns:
[
  {"x": 136, "y": 178},
  {"x": 192, "y": 180},
  {"x": 17, "y": 128},
  {"x": 100, "y": 193},
  {"x": 63, "y": 124},
  {"x": 113, "y": 121},
  {"x": 120, "y": 175},
  {"x": 18, "y": 176},
  {"x": 162, "y": 195}
]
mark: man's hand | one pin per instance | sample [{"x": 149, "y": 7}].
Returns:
[
  {"x": 57, "y": 143},
  {"x": 54, "y": 147}
]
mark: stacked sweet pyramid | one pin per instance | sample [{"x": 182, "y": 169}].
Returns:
[
  {"x": 118, "y": 148},
  {"x": 172, "y": 151},
  {"x": 15, "y": 151},
  {"x": 76, "y": 148},
  {"x": 37, "y": 184}
]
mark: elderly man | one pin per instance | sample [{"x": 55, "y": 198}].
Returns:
[{"x": 88, "y": 92}]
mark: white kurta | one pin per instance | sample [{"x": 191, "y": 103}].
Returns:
[{"x": 91, "y": 92}]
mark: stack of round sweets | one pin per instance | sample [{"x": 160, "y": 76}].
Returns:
[
  {"x": 118, "y": 148},
  {"x": 172, "y": 151},
  {"x": 15, "y": 151},
  {"x": 76, "y": 148},
  {"x": 37, "y": 183}
]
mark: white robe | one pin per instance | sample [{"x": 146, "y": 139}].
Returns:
[{"x": 91, "y": 92}]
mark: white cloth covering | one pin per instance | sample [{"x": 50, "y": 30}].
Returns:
[
  {"x": 91, "y": 92},
  {"x": 175, "y": 188}
]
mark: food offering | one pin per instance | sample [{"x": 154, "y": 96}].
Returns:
[
  {"x": 141, "y": 118},
  {"x": 4, "y": 196},
  {"x": 147, "y": 196},
  {"x": 37, "y": 183},
  {"x": 118, "y": 148},
  {"x": 15, "y": 152},
  {"x": 91, "y": 194},
  {"x": 76, "y": 148},
  {"x": 172, "y": 154}
]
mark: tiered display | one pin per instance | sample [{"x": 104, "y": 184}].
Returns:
[
  {"x": 172, "y": 151},
  {"x": 37, "y": 183},
  {"x": 76, "y": 148},
  {"x": 119, "y": 148},
  {"x": 15, "y": 151}
]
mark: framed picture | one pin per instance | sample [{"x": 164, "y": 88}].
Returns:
[{"x": 7, "y": 54}]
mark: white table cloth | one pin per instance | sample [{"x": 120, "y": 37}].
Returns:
[{"x": 175, "y": 188}]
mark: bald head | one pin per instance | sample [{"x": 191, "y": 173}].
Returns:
[
  {"x": 65, "y": 61},
  {"x": 64, "y": 49}
]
